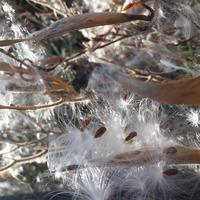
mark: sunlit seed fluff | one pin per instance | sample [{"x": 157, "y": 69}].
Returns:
[
  {"x": 98, "y": 143},
  {"x": 84, "y": 157},
  {"x": 145, "y": 182},
  {"x": 193, "y": 117}
]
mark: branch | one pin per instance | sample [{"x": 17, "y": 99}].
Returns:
[
  {"x": 171, "y": 155},
  {"x": 39, "y": 107},
  {"x": 23, "y": 160}
]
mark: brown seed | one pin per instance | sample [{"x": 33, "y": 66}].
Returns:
[
  {"x": 85, "y": 124},
  {"x": 170, "y": 150},
  {"x": 166, "y": 126},
  {"x": 170, "y": 172},
  {"x": 72, "y": 167},
  {"x": 100, "y": 132},
  {"x": 130, "y": 136},
  {"x": 137, "y": 152},
  {"x": 125, "y": 97}
]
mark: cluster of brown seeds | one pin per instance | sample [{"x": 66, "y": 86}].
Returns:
[
  {"x": 129, "y": 139},
  {"x": 102, "y": 130}
]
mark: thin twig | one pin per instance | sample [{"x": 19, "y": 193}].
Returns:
[
  {"x": 24, "y": 160},
  {"x": 44, "y": 106},
  {"x": 15, "y": 58}
]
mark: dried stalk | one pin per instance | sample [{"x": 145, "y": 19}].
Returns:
[
  {"x": 150, "y": 155},
  {"x": 44, "y": 106},
  {"x": 87, "y": 20},
  {"x": 172, "y": 155}
]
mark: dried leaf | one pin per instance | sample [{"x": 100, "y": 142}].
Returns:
[
  {"x": 132, "y": 5},
  {"x": 11, "y": 69},
  {"x": 78, "y": 22},
  {"x": 55, "y": 84},
  {"x": 7, "y": 68},
  {"x": 83, "y": 21},
  {"x": 184, "y": 91}
]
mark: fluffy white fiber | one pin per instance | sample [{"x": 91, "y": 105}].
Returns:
[
  {"x": 88, "y": 156},
  {"x": 117, "y": 122},
  {"x": 82, "y": 156},
  {"x": 15, "y": 88}
]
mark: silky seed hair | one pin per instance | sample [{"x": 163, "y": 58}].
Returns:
[{"x": 105, "y": 138}]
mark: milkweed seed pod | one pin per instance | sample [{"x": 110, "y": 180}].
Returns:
[
  {"x": 150, "y": 166},
  {"x": 116, "y": 143}
]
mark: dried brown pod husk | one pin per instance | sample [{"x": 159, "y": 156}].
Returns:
[
  {"x": 150, "y": 155},
  {"x": 183, "y": 91}
]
